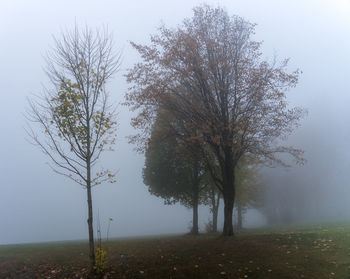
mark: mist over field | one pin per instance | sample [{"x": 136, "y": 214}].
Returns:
[{"x": 39, "y": 205}]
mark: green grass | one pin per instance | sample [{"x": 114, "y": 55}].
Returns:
[{"x": 292, "y": 252}]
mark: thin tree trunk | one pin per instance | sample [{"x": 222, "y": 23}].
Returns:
[
  {"x": 195, "y": 201},
  {"x": 215, "y": 212},
  {"x": 215, "y": 220},
  {"x": 89, "y": 197},
  {"x": 215, "y": 200},
  {"x": 195, "y": 197},
  {"x": 239, "y": 216},
  {"x": 90, "y": 218},
  {"x": 194, "y": 230}
]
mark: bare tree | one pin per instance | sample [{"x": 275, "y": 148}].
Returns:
[
  {"x": 209, "y": 73},
  {"x": 75, "y": 117}
]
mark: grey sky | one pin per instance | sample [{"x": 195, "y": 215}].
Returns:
[{"x": 38, "y": 205}]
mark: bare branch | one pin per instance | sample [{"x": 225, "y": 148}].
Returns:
[{"x": 74, "y": 115}]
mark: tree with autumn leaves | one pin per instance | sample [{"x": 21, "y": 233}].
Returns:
[
  {"x": 74, "y": 114},
  {"x": 210, "y": 75}
]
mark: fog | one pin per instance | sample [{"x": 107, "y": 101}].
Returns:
[{"x": 38, "y": 205}]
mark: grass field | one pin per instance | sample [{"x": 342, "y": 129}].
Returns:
[{"x": 308, "y": 252}]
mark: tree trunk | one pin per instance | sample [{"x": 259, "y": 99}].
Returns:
[
  {"x": 215, "y": 220},
  {"x": 228, "y": 210},
  {"x": 239, "y": 216},
  {"x": 89, "y": 197},
  {"x": 229, "y": 196},
  {"x": 215, "y": 210},
  {"x": 194, "y": 230},
  {"x": 90, "y": 223},
  {"x": 195, "y": 201},
  {"x": 195, "y": 196},
  {"x": 228, "y": 186},
  {"x": 216, "y": 213}
]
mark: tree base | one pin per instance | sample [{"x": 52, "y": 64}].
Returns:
[
  {"x": 193, "y": 233},
  {"x": 228, "y": 234}
]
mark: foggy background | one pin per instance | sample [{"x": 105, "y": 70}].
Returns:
[{"x": 38, "y": 205}]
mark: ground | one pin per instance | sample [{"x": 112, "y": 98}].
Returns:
[{"x": 308, "y": 252}]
